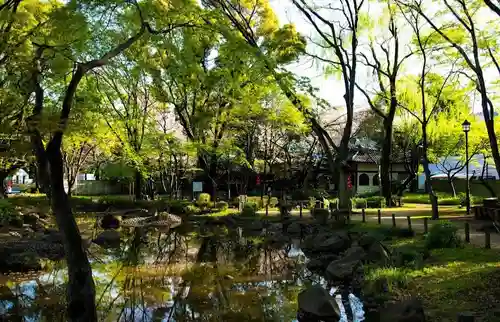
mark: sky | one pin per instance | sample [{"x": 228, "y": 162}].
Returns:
[{"x": 331, "y": 88}]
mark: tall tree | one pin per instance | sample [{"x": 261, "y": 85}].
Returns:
[
  {"x": 386, "y": 71},
  {"x": 458, "y": 27}
]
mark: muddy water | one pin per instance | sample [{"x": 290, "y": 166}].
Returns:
[{"x": 186, "y": 274}]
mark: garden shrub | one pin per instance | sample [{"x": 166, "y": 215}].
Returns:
[
  {"x": 191, "y": 210},
  {"x": 9, "y": 215},
  {"x": 203, "y": 200},
  {"x": 249, "y": 210},
  {"x": 358, "y": 203},
  {"x": 443, "y": 235},
  {"x": 221, "y": 205},
  {"x": 375, "y": 202},
  {"x": 177, "y": 207},
  {"x": 409, "y": 256}
]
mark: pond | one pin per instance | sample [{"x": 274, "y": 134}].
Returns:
[{"x": 190, "y": 273}]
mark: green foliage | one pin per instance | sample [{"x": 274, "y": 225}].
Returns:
[
  {"x": 359, "y": 203},
  {"x": 249, "y": 210},
  {"x": 443, "y": 235},
  {"x": 203, "y": 200},
  {"x": 221, "y": 205},
  {"x": 375, "y": 202},
  {"x": 9, "y": 215},
  {"x": 192, "y": 210}
]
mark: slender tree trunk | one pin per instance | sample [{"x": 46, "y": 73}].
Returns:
[
  {"x": 452, "y": 186},
  {"x": 81, "y": 288},
  {"x": 138, "y": 185},
  {"x": 385, "y": 165},
  {"x": 3, "y": 176},
  {"x": 490, "y": 127},
  {"x": 428, "y": 183}
]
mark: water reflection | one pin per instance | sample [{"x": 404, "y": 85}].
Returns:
[{"x": 182, "y": 275}]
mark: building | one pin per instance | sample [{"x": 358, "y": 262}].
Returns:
[{"x": 364, "y": 166}]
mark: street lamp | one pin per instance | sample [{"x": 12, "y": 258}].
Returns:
[{"x": 466, "y": 129}]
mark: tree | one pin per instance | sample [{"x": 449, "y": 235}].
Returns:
[
  {"x": 470, "y": 44},
  {"x": 68, "y": 42},
  {"x": 385, "y": 103}
]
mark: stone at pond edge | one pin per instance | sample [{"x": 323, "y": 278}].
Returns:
[
  {"x": 354, "y": 253},
  {"x": 342, "y": 269},
  {"x": 294, "y": 228},
  {"x": 319, "y": 264},
  {"x": 110, "y": 222},
  {"x": 108, "y": 238},
  {"x": 20, "y": 262},
  {"x": 406, "y": 311},
  {"x": 333, "y": 245},
  {"x": 378, "y": 253},
  {"x": 367, "y": 240},
  {"x": 52, "y": 235},
  {"x": 31, "y": 218},
  {"x": 317, "y": 302}
]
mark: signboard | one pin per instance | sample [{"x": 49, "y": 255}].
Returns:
[{"x": 197, "y": 186}]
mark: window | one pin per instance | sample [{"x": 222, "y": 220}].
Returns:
[
  {"x": 376, "y": 181},
  {"x": 364, "y": 180}
]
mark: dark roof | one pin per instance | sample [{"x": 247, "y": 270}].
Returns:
[{"x": 371, "y": 156}]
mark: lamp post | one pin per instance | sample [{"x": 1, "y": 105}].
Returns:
[{"x": 466, "y": 129}]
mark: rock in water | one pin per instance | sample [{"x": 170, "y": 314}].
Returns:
[
  {"x": 406, "y": 311},
  {"x": 31, "y": 218},
  {"x": 355, "y": 253},
  {"x": 316, "y": 304},
  {"x": 20, "y": 262},
  {"x": 342, "y": 269},
  {"x": 294, "y": 228},
  {"x": 110, "y": 222},
  {"x": 109, "y": 238}
]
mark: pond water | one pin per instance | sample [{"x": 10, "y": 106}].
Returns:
[{"x": 185, "y": 274}]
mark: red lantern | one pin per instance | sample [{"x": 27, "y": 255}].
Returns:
[
  {"x": 349, "y": 182},
  {"x": 257, "y": 180}
]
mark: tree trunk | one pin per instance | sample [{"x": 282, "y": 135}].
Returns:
[
  {"x": 490, "y": 127},
  {"x": 385, "y": 167},
  {"x": 428, "y": 183},
  {"x": 81, "y": 288},
  {"x": 3, "y": 176},
  {"x": 138, "y": 185},
  {"x": 452, "y": 186}
]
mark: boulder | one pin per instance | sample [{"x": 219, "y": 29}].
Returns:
[
  {"x": 109, "y": 238},
  {"x": 342, "y": 269},
  {"x": 15, "y": 234},
  {"x": 367, "y": 240},
  {"x": 110, "y": 222},
  {"x": 316, "y": 304},
  {"x": 52, "y": 235},
  {"x": 294, "y": 228},
  {"x": 31, "y": 218},
  {"x": 319, "y": 264},
  {"x": 406, "y": 311},
  {"x": 277, "y": 240},
  {"x": 20, "y": 262},
  {"x": 377, "y": 253},
  {"x": 354, "y": 253},
  {"x": 333, "y": 245}
]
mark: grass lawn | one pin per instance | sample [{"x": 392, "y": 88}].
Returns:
[
  {"x": 418, "y": 210},
  {"x": 448, "y": 282}
]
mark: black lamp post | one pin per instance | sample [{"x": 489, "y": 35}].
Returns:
[{"x": 466, "y": 129}]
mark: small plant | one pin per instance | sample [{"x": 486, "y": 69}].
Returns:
[
  {"x": 359, "y": 203},
  {"x": 9, "y": 215},
  {"x": 249, "y": 210},
  {"x": 375, "y": 202},
  {"x": 203, "y": 200},
  {"x": 443, "y": 235},
  {"x": 191, "y": 210},
  {"x": 221, "y": 205}
]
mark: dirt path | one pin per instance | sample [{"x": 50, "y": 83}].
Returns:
[{"x": 477, "y": 238}]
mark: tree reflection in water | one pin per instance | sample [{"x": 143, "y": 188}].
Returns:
[{"x": 158, "y": 276}]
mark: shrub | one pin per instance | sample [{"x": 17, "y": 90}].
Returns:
[
  {"x": 375, "y": 202},
  {"x": 177, "y": 207},
  {"x": 359, "y": 203},
  {"x": 221, "y": 205},
  {"x": 249, "y": 210},
  {"x": 203, "y": 200},
  {"x": 191, "y": 210},
  {"x": 408, "y": 256},
  {"x": 442, "y": 235},
  {"x": 273, "y": 202},
  {"x": 9, "y": 215}
]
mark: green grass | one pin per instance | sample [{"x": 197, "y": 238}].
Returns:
[
  {"x": 419, "y": 211},
  {"x": 450, "y": 281}
]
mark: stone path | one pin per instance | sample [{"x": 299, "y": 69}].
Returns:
[{"x": 476, "y": 237}]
